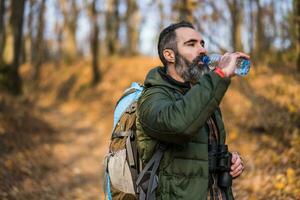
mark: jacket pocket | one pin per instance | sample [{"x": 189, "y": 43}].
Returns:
[
  {"x": 182, "y": 188},
  {"x": 189, "y": 167}
]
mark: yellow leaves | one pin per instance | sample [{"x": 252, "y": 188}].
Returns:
[
  {"x": 233, "y": 135},
  {"x": 287, "y": 182},
  {"x": 280, "y": 181},
  {"x": 291, "y": 176},
  {"x": 252, "y": 197},
  {"x": 275, "y": 158},
  {"x": 295, "y": 138},
  {"x": 292, "y": 108},
  {"x": 279, "y": 186}
]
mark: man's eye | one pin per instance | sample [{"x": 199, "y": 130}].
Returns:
[
  {"x": 191, "y": 44},
  {"x": 202, "y": 44}
]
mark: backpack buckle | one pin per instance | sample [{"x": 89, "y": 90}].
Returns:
[{"x": 131, "y": 109}]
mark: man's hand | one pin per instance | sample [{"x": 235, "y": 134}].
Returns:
[
  {"x": 237, "y": 166},
  {"x": 228, "y": 62}
]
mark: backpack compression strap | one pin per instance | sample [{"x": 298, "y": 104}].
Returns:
[{"x": 147, "y": 185}]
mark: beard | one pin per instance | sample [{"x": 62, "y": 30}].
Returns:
[{"x": 190, "y": 71}]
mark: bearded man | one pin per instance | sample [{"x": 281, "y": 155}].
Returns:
[{"x": 180, "y": 108}]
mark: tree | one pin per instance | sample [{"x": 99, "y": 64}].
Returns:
[
  {"x": 70, "y": 12},
  {"x": 260, "y": 37},
  {"x": 161, "y": 14},
  {"x": 59, "y": 35},
  {"x": 2, "y": 29},
  {"x": 133, "y": 19},
  {"x": 38, "y": 44},
  {"x": 295, "y": 30},
  {"x": 185, "y": 9},
  {"x": 251, "y": 26},
  {"x": 236, "y": 14},
  {"x": 29, "y": 37},
  {"x": 112, "y": 23},
  {"x": 297, "y": 20},
  {"x": 10, "y": 78},
  {"x": 95, "y": 43}
]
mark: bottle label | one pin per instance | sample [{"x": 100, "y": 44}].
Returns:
[{"x": 212, "y": 61}]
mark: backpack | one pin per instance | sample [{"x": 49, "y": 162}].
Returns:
[{"x": 125, "y": 175}]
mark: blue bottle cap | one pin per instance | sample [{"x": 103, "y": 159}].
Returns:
[{"x": 205, "y": 60}]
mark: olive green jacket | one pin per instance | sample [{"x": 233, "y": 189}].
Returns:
[{"x": 177, "y": 116}]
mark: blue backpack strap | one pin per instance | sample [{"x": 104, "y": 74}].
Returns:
[
  {"x": 130, "y": 95},
  {"x": 107, "y": 189}
]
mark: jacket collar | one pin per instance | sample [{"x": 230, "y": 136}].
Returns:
[{"x": 183, "y": 87}]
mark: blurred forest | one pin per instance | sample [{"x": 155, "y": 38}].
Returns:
[{"x": 65, "y": 63}]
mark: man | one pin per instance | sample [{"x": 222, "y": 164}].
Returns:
[{"x": 180, "y": 108}]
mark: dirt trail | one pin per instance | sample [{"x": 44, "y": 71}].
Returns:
[{"x": 78, "y": 155}]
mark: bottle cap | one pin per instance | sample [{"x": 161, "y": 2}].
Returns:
[{"x": 205, "y": 60}]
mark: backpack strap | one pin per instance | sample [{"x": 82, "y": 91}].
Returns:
[
  {"x": 130, "y": 154},
  {"x": 121, "y": 134},
  {"x": 147, "y": 180},
  {"x": 133, "y": 157},
  {"x": 128, "y": 92}
]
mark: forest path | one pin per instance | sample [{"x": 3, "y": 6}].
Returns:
[{"x": 78, "y": 153}]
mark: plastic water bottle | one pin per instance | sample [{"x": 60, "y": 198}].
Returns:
[{"x": 212, "y": 61}]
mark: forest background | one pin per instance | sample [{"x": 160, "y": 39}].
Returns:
[{"x": 65, "y": 63}]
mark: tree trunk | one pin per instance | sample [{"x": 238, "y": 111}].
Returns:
[
  {"x": 112, "y": 27},
  {"x": 132, "y": 21},
  {"x": 296, "y": 13},
  {"x": 29, "y": 40},
  {"x": 251, "y": 28},
  {"x": 11, "y": 79},
  {"x": 185, "y": 9},
  {"x": 236, "y": 9},
  {"x": 59, "y": 36},
  {"x": 70, "y": 12},
  {"x": 161, "y": 14},
  {"x": 39, "y": 42},
  {"x": 260, "y": 38},
  {"x": 95, "y": 44},
  {"x": 2, "y": 30}
]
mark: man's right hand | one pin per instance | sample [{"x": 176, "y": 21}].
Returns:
[{"x": 228, "y": 62}]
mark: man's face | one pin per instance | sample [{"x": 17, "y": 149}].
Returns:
[{"x": 190, "y": 46}]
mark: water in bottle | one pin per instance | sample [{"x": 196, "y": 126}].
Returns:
[{"x": 212, "y": 61}]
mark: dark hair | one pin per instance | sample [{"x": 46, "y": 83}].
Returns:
[{"x": 167, "y": 39}]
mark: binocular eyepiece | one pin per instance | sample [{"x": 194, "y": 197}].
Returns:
[{"x": 220, "y": 163}]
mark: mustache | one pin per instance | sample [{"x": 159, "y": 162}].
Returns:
[
  {"x": 198, "y": 61},
  {"x": 197, "y": 69},
  {"x": 191, "y": 71}
]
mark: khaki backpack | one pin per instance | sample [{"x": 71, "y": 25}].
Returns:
[{"x": 125, "y": 175}]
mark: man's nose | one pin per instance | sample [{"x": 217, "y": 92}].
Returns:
[{"x": 201, "y": 50}]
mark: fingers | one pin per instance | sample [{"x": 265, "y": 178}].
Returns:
[
  {"x": 237, "y": 171},
  {"x": 238, "y": 55},
  {"x": 228, "y": 62},
  {"x": 234, "y": 157},
  {"x": 241, "y": 54},
  {"x": 237, "y": 166},
  {"x": 236, "y": 161},
  {"x": 227, "y": 54}
]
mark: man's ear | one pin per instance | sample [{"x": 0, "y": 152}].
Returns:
[{"x": 169, "y": 55}]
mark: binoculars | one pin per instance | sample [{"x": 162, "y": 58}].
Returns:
[{"x": 220, "y": 163}]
